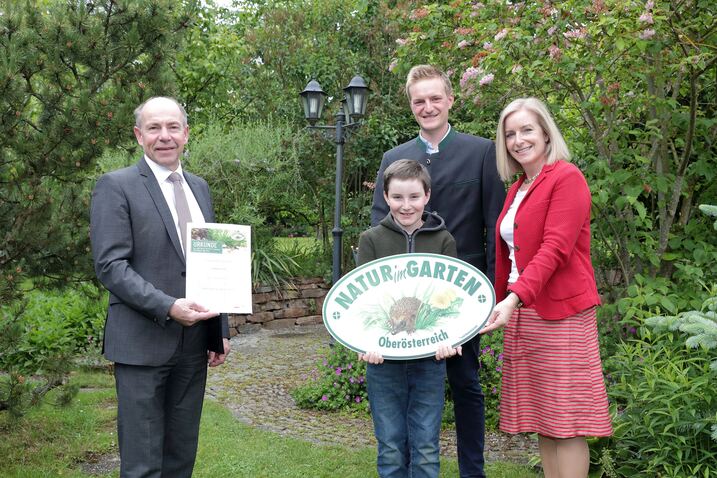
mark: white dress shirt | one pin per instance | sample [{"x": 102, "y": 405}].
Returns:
[
  {"x": 507, "y": 232},
  {"x": 162, "y": 175}
]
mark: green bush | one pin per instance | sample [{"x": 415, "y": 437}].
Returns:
[
  {"x": 337, "y": 383},
  {"x": 665, "y": 401},
  {"x": 40, "y": 335},
  {"x": 491, "y": 375},
  {"x": 53, "y": 324}
]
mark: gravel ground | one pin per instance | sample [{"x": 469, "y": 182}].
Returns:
[{"x": 264, "y": 366}]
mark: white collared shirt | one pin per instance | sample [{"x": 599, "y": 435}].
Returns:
[
  {"x": 162, "y": 174},
  {"x": 507, "y": 232},
  {"x": 431, "y": 149}
]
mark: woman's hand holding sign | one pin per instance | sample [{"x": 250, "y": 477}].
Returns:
[{"x": 502, "y": 312}]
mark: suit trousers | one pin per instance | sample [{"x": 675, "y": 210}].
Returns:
[
  {"x": 469, "y": 407},
  {"x": 159, "y": 409}
]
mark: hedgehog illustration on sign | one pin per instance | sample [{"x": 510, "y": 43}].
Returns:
[
  {"x": 402, "y": 315},
  {"x": 417, "y": 311}
]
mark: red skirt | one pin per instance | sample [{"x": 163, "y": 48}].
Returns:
[{"x": 552, "y": 377}]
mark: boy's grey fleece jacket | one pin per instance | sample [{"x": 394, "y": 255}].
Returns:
[{"x": 389, "y": 239}]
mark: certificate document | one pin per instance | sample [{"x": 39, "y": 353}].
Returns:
[{"x": 219, "y": 267}]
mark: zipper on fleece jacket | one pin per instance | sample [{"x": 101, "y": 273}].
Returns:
[{"x": 409, "y": 238}]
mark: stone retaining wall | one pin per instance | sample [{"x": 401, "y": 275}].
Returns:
[{"x": 276, "y": 309}]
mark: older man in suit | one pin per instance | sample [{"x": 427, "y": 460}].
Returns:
[{"x": 160, "y": 341}]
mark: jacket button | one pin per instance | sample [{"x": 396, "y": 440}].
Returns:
[
  {"x": 515, "y": 225},
  {"x": 184, "y": 274}
]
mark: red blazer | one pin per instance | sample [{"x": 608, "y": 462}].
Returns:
[{"x": 552, "y": 244}]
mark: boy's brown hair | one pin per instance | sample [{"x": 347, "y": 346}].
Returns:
[{"x": 406, "y": 169}]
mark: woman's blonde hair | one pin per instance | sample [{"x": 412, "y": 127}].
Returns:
[{"x": 556, "y": 149}]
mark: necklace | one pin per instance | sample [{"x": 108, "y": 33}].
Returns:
[{"x": 531, "y": 179}]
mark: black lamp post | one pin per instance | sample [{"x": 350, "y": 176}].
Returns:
[{"x": 353, "y": 108}]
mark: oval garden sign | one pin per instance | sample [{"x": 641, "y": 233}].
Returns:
[{"x": 405, "y": 306}]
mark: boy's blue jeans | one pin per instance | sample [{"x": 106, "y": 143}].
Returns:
[{"x": 406, "y": 400}]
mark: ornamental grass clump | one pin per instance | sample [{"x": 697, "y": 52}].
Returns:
[{"x": 338, "y": 382}]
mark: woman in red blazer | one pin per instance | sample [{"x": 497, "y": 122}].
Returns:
[{"x": 545, "y": 284}]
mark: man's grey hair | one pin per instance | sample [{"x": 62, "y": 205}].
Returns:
[{"x": 138, "y": 110}]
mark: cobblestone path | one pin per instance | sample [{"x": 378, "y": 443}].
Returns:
[{"x": 264, "y": 366}]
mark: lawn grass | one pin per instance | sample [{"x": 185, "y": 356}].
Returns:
[{"x": 53, "y": 441}]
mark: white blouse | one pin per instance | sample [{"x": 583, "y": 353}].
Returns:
[{"x": 508, "y": 235}]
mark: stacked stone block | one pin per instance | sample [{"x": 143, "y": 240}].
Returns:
[{"x": 285, "y": 308}]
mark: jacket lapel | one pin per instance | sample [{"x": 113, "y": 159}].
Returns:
[
  {"x": 150, "y": 182},
  {"x": 543, "y": 176}
]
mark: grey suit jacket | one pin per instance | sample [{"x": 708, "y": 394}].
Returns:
[{"x": 138, "y": 257}]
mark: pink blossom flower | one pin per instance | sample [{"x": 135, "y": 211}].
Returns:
[
  {"x": 358, "y": 399},
  {"x": 464, "y": 43},
  {"x": 449, "y": 72},
  {"x": 487, "y": 45},
  {"x": 551, "y": 30},
  {"x": 469, "y": 74},
  {"x": 419, "y": 13},
  {"x": 501, "y": 34},
  {"x": 649, "y": 5},
  {"x": 324, "y": 398},
  {"x": 646, "y": 18},
  {"x": 487, "y": 79},
  {"x": 647, "y": 34},
  {"x": 554, "y": 52},
  {"x": 576, "y": 33},
  {"x": 392, "y": 66},
  {"x": 401, "y": 41}
]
